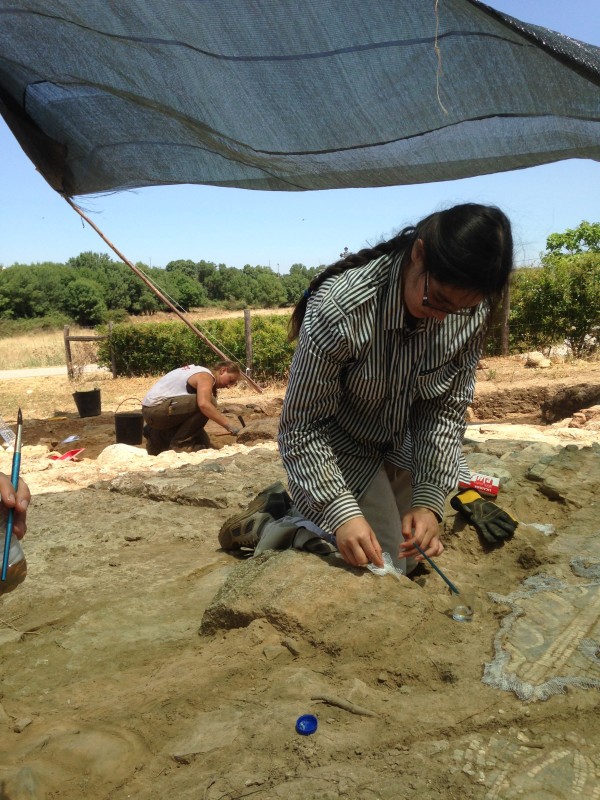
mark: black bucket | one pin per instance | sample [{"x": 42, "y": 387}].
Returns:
[
  {"x": 88, "y": 403},
  {"x": 129, "y": 425}
]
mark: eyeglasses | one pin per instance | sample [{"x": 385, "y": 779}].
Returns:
[{"x": 459, "y": 312}]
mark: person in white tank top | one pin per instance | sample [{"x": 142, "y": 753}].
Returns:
[{"x": 178, "y": 406}]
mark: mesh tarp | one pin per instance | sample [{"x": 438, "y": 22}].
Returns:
[{"x": 287, "y": 95}]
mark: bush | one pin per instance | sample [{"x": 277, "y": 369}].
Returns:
[
  {"x": 558, "y": 302},
  {"x": 157, "y": 348}
]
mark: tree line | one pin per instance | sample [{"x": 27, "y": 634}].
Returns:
[
  {"x": 556, "y": 301},
  {"x": 91, "y": 288}
]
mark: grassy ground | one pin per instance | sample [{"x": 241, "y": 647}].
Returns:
[
  {"x": 43, "y": 349},
  {"x": 47, "y": 348},
  {"x": 42, "y": 398}
]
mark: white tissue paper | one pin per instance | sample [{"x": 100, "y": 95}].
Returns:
[
  {"x": 388, "y": 566},
  {"x": 547, "y": 530}
]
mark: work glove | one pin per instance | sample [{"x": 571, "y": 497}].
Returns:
[
  {"x": 233, "y": 429},
  {"x": 494, "y": 524}
]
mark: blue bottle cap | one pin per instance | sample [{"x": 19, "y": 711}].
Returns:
[{"x": 306, "y": 724}]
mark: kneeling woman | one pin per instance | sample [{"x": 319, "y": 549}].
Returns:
[
  {"x": 179, "y": 405},
  {"x": 374, "y": 414}
]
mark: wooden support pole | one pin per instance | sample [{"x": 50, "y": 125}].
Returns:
[
  {"x": 248, "y": 337},
  {"x": 155, "y": 291},
  {"x": 68, "y": 357},
  {"x": 504, "y": 341},
  {"x": 113, "y": 357}
]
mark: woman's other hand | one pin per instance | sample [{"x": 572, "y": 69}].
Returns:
[{"x": 420, "y": 525}]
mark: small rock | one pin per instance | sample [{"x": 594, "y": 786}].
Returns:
[
  {"x": 273, "y": 651},
  {"x": 292, "y": 646},
  {"x": 534, "y": 358},
  {"x": 21, "y": 724}
]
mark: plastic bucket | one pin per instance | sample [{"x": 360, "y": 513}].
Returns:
[
  {"x": 88, "y": 403},
  {"x": 129, "y": 425}
]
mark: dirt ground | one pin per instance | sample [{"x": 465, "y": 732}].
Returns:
[{"x": 140, "y": 660}]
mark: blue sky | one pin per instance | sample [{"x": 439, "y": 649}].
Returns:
[{"x": 278, "y": 229}]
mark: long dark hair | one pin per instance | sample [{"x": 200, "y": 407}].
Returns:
[{"x": 468, "y": 246}]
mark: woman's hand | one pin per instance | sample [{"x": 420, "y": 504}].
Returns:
[
  {"x": 420, "y": 525},
  {"x": 358, "y": 544},
  {"x": 19, "y": 501}
]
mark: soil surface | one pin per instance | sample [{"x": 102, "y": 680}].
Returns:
[{"x": 141, "y": 660}]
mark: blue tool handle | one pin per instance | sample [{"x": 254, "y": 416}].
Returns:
[
  {"x": 14, "y": 479},
  {"x": 437, "y": 569},
  {"x": 16, "y": 468}
]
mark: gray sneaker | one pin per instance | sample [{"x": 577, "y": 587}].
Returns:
[{"x": 243, "y": 530}]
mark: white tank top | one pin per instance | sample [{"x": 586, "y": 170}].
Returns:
[{"x": 173, "y": 384}]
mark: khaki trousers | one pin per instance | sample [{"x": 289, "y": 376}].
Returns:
[
  {"x": 383, "y": 503},
  {"x": 175, "y": 424}
]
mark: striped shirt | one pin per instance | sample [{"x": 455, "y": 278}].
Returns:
[{"x": 360, "y": 380}]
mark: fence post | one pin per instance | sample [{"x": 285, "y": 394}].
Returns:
[
  {"x": 70, "y": 372},
  {"x": 504, "y": 343},
  {"x": 113, "y": 358},
  {"x": 248, "y": 337}
]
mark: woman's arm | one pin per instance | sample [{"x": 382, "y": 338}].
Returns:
[
  {"x": 311, "y": 401},
  {"x": 310, "y": 404},
  {"x": 437, "y": 427},
  {"x": 203, "y": 383}
]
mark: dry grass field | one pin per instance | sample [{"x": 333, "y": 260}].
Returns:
[
  {"x": 43, "y": 349},
  {"x": 47, "y": 348}
]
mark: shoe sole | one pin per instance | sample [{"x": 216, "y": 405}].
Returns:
[
  {"x": 272, "y": 501},
  {"x": 245, "y": 533}
]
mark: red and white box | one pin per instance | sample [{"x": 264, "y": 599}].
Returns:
[{"x": 484, "y": 484}]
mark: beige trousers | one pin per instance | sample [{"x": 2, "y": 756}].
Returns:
[{"x": 383, "y": 503}]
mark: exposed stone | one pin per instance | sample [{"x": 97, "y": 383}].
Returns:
[
  {"x": 588, "y": 418},
  {"x": 207, "y": 485},
  {"x": 259, "y": 431},
  {"x": 572, "y": 476},
  {"x": 568, "y": 400},
  {"x": 534, "y": 359},
  {"x": 320, "y": 599}
]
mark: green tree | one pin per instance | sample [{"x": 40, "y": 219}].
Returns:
[
  {"x": 262, "y": 287},
  {"x": 297, "y": 281},
  {"x": 184, "y": 266},
  {"x": 178, "y": 287},
  {"x": 112, "y": 277},
  {"x": 84, "y": 303},
  {"x": 557, "y": 302},
  {"x": 584, "y": 238},
  {"x": 28, "y": 291},
  {"x": 205, "y": 269}
]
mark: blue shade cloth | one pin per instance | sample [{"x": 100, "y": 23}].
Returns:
[{"x": 288, "y": 95}]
